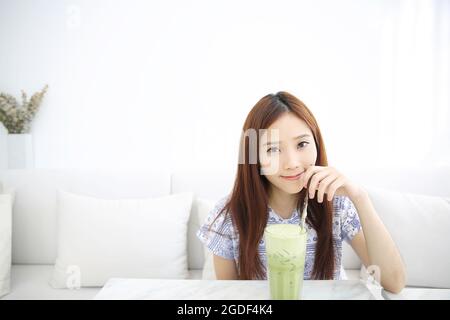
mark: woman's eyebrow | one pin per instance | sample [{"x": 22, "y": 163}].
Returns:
[{"x": 295, "y": 138}]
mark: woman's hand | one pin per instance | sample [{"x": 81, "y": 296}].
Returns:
[{"x": 330, "y": 181}]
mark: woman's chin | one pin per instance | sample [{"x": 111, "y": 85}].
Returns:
[{"x": 293, "y": 189}]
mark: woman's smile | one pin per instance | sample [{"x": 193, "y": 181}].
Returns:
[{"x": 293, "y": 178}]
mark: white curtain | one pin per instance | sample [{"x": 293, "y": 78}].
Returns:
[{"x": 414, "y": 119}]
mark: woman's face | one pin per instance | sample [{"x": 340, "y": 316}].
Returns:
[{"x": 287, "y": 149}]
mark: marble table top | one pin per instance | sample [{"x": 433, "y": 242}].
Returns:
[
  {"x": 171, "y": 289},
  {"x": 418, "y": 294}
]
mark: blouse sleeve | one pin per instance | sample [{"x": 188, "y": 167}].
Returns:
[
  {"x": 218, "y": 238},
  {"x": 350, "y": 223}
]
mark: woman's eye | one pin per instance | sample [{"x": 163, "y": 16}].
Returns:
[
  {"x": 273, "y": 149},
  {"x": 302, "y": 143}
]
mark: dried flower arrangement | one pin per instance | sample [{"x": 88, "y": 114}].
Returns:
[{"x": 17, "y": 118}]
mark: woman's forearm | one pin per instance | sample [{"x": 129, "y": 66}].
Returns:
[{"x": 381, "y": 249}]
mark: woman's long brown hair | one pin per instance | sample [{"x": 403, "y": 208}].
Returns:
[{"x": 248, "y": 203}]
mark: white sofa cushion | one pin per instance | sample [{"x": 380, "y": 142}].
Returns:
[
  {"x": 208, "y": 272},
  {"x": 419, "y": 225},
  {"x": 34, "y": 225},
  {"x": 200, "y": 207},
  {"x": 135, "y": 238},
  {"x": 6, "y": 203}
]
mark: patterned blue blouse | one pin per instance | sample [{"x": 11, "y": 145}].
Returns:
[{"x": 346, "y": 225}]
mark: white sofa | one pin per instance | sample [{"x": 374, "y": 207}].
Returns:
[{"x": 34, "y": 216}]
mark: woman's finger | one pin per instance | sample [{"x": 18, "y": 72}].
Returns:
[
  {"x": 309, "y": 172},
  {"x": 315, "y": 180},
  {"x": 336, "y": 184},
  {"x": 324, "y": 185}
]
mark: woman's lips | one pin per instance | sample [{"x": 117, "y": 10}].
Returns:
[{"x": 292, "y": 178}]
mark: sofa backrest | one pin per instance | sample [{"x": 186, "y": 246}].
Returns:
[{"x": 34, "y": 219}]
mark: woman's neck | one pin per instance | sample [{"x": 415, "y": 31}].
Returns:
[{"x": 283, "y": 203}]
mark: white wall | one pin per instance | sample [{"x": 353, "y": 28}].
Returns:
[{"x": 136, "y": 84}]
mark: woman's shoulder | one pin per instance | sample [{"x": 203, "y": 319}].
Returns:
[
  {"x": 346, "y": 221},
  {"x": 223, "y": 201},
  {"x": 342, "y": 205},
  {"x": 345, "y": 213},
  {"x": 217, "y": 213},
  {"x": 217, "y": 231}
]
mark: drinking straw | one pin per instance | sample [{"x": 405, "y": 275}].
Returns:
[{"x": 305, "y": 211}]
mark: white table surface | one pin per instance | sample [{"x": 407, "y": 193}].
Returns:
[
  {"x": 169, "y": 289},
  {"x": 418, "y": 294}
]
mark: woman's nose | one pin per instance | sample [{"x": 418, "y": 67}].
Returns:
[{"x": 292, "y": 161}]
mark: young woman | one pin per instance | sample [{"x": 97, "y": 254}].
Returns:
[{"x": 291, "y": 164}]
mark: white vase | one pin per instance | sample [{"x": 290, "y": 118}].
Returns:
[{"x": 20, "y": 151}]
